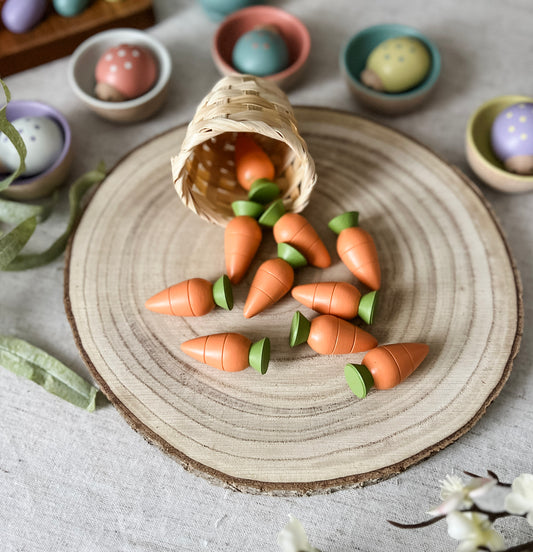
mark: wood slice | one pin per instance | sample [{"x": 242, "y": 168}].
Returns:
[{"x": 448, "y": 280}]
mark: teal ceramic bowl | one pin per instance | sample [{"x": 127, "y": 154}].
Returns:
[
  {"x": 353, "y": 60},
  {"x": 217, "y": 10}
]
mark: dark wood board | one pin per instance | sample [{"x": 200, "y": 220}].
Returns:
[{"x": 57, "y": 36}]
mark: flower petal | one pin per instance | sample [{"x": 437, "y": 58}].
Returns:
[
  {"x": 453, "y": 502},
  {"x": 460, "y": 526},
  {"x": 468, "y": 545},
  {"x": 451, "y": 485},
  {"x": 292, "y": 538},
  {"x": 515, "y": 503},
  {"x": 530, "y": 518},
  {"x": 480, "y": 485},
  {"x": 523, "y": 485},
  {"x": 493, "y": 540}
]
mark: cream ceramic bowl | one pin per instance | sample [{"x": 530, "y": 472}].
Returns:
[
  {"x": 479, "y": 152},
  {"x": 82, "y": 81}
]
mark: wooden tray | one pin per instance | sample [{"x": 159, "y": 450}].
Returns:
[
  {"x": 57, "y": 36},
  {"x": 448, "y": 280}
]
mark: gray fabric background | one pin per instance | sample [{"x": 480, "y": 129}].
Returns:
[{"x": 70, "y": 480}]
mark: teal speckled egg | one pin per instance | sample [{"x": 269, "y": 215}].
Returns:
[
  {"x": 260, "y": 52},
  {"x": 69, "y": 8}
]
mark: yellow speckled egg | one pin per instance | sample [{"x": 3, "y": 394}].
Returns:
[{"x": 396, "y": 65}]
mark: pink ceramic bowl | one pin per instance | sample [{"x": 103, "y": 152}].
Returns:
[{"x": 293, "y": 31}]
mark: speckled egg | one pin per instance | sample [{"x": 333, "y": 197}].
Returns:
[
  {"x": 260, "y": 52},
  {"x": 512, "y": 138},
  {"x": 396, "y": 65},
  {"x": 44, "y": 142},
  {"x": 70, "y": 8},
  {"x": 19, "y": 16},
  {"x": 125, "y": 72}
]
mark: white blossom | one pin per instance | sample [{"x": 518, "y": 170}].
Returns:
[
  {"x": 457, "y": 495},
  {"x": 292, "y": 538},
  {"x": 473, "y": 530},
  {"x": 520, "y": 499}
]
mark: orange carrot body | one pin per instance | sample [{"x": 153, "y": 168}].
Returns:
[
  {"x": 242, "y": 238},
  {"x": 225, "y": 351},
  {"x": 330, "y": 335},
  {"x": 251, "y": 162},
  {"x": 296, "y": 230},
  {"x": 391, "y": 364},
  {"x": 273, "y": 279},
  {"x": 358, "y": 252},
  {"x": 192, "y": 297},
  {"x": 337, "y": 298}
]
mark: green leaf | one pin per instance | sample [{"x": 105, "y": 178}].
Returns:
[
  {"x": 14, "y": 137},
  {"x": 14, "y": 241},
  {"x": 33, "y": 363},
  {"x": 76, "y": 194}
]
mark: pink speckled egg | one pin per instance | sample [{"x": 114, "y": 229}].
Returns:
[{"x": 125, "y": 72}]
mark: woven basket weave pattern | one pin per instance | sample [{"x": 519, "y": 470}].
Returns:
[{"x": 204, "y": 171}]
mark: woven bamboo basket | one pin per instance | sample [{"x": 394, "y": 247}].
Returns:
[{"x": 204, "y": 172}]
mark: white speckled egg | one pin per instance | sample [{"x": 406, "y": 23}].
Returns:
[{"x": 44, "y": 141}]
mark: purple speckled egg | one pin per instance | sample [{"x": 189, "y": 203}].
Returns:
[
  {"x": 512, "y": 137},
  {"x": 19, "y": 16}
]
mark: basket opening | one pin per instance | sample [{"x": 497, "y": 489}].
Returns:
[{"x": 210, "y": 170}]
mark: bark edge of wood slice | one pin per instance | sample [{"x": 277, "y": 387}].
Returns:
[{"x": 448, "y": 280}]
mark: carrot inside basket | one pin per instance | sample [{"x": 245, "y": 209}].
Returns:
[{"x": 204, "y": 171}]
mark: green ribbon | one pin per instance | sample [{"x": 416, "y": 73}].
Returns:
[
  {"x": 12, "y": 243},
  {"x": 75, "y": 197},
  {"x": 13, "y": 212},
  {"x": 14, "y": 137},
  {"x": 33, "y": 363},
  {"x": 26, "y": 216},
  {"x": 17, "y": 355}
]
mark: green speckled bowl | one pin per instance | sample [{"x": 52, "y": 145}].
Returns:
[
  {"x": 353, "y": 60},
  {"x": 479, "y": 152}
]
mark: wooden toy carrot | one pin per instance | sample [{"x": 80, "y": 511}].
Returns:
[
  {"x": 329, "y": 335},
  {"x": 273, "y": 279},
  {"x": 242, "y": 238},
  {"x": 194, "y": 297},
  {"x": 295, "y": 230},
  {"x": 356, "y": 249},
  {"x": 251, "y": 162},
  {"x": 338, "y": 298},
  {"x": 231, "y": 352},
  {"x": 385, "y": 367}
]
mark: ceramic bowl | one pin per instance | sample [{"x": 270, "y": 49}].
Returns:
[
  {"x": 81, "y": 75},
  {"x": 44, "y": 183},
  {"x": 479, "y": 151},
  {"x": 216, "y": 10},
  {"x": 353, "y": 60},
  {"x": 293, "y": 31}
]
